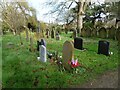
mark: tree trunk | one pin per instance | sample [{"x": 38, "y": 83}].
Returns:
[{"x": 81, "y": 7}]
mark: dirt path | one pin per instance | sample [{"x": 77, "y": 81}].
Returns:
[{"x": 107, "y": 80}]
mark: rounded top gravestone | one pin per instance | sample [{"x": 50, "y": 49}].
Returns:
[
  {"x": 68, "y": 54},
  {"x": 102, "y": 32}
]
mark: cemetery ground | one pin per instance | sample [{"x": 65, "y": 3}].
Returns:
[{"x": 21, "y": 69}]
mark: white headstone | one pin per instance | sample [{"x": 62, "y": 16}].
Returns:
[{"x": 43, "y": 53}]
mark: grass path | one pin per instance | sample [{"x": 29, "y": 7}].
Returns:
[{"x": 107, "y": 80}]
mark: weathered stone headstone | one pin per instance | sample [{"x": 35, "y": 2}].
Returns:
[
  {"x": 58, "y": 36},
  {"x": 111, "y": 32},
  {"x": 83, "y": 32},
  {"x": 52, "y": 34},
  {"x": 31, "y": 44},
  {"x": 103, "y": 47},
  {"x": 118, "y": 34},
  {"x": 102, "y": 32},
  {"x": 88, "y": 32},
  {"x": 68, "y": 54},
  {"x": 78, "y": 43},
  {"x": 47, "y": 33},
  {"x": 94, "y": 32},
  {"x": 74, "y": 33},
  {"x": 43, "y": 53},
  {"x": 38, "y": 29},
  {"x": 38, "y": 43}
]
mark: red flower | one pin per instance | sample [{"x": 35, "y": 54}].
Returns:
[{"x": 73, "y": 63}]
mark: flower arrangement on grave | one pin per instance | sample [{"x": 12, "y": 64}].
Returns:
[{"x": 74, "y": 64}]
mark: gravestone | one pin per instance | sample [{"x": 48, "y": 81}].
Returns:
[
  {"x": 94, "y": 32},
  {"x": 43, "y": 53},
  {"x": 102, "y": 32},
  {"x": 74, "y": 33},
  {"x": 88, "y": 32},
  {"x": 67, "y": 54},
  {"x": 47, "y": 33},
  {"x": 111, "y": 32},
  {"x": 78, "y": 43},
  {"x": 118, "y": 34},
  {"x": 52, "y": 34},
  {"x": 58, "y": 36},
  {"x": 103, "y": 47},
  {"x": 38, "y": 30},
  {"x": 83, "y": 32},
  {"x": 42, "y": 42}
]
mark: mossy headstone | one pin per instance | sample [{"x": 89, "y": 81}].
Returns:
[
  {"x": 102, "y": 32},
  {"x": 111, "y": 32}
]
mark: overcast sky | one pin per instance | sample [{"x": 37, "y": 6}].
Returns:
[{"x": 42, "y": 9}]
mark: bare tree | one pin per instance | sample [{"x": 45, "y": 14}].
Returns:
[{"x": 59, "y": 7}]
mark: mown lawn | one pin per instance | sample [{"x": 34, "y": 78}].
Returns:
[{"x": 21, "y": 69}]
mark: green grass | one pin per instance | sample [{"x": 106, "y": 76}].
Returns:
[{"x": 21, "y": 69}]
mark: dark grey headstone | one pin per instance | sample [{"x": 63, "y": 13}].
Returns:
[
  {"x": 103, "y": 47},
  {"x": 52, "y": 34},
  {"x": 78, "y": 43},
  {"x": 42, "y": 42}
]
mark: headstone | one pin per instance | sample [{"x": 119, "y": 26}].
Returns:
[
  {"x": 68, "y": 54},
  {"x": 52, "y": 34},
  {"x": 88, "y": 32},
  {"x": 118, "y": 34},
  {"x": 83, "y": 32},
  {"x": 43, "y": 53},
  {"x": 74, "y": 33},
  {"x": 103, "y": 47},
  {"x": 58, "y": 36},
  {"x": 47, "y": 33},
  {"x": 111, "y": 32},
  {"x": 102, "y": 32},
  {"x": 42, "y": 42},
  {"x": 29, "y": 25},
  {"x": 94, "y": 32},
  {"x": 78, "y": 43},
  {"x": 31, "y": 44},
  {"x": 38, "y": 30},
  {"x": 38, "y": 43}
]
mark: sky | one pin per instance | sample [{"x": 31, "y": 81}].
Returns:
[{"x": 41, "y": 9}]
